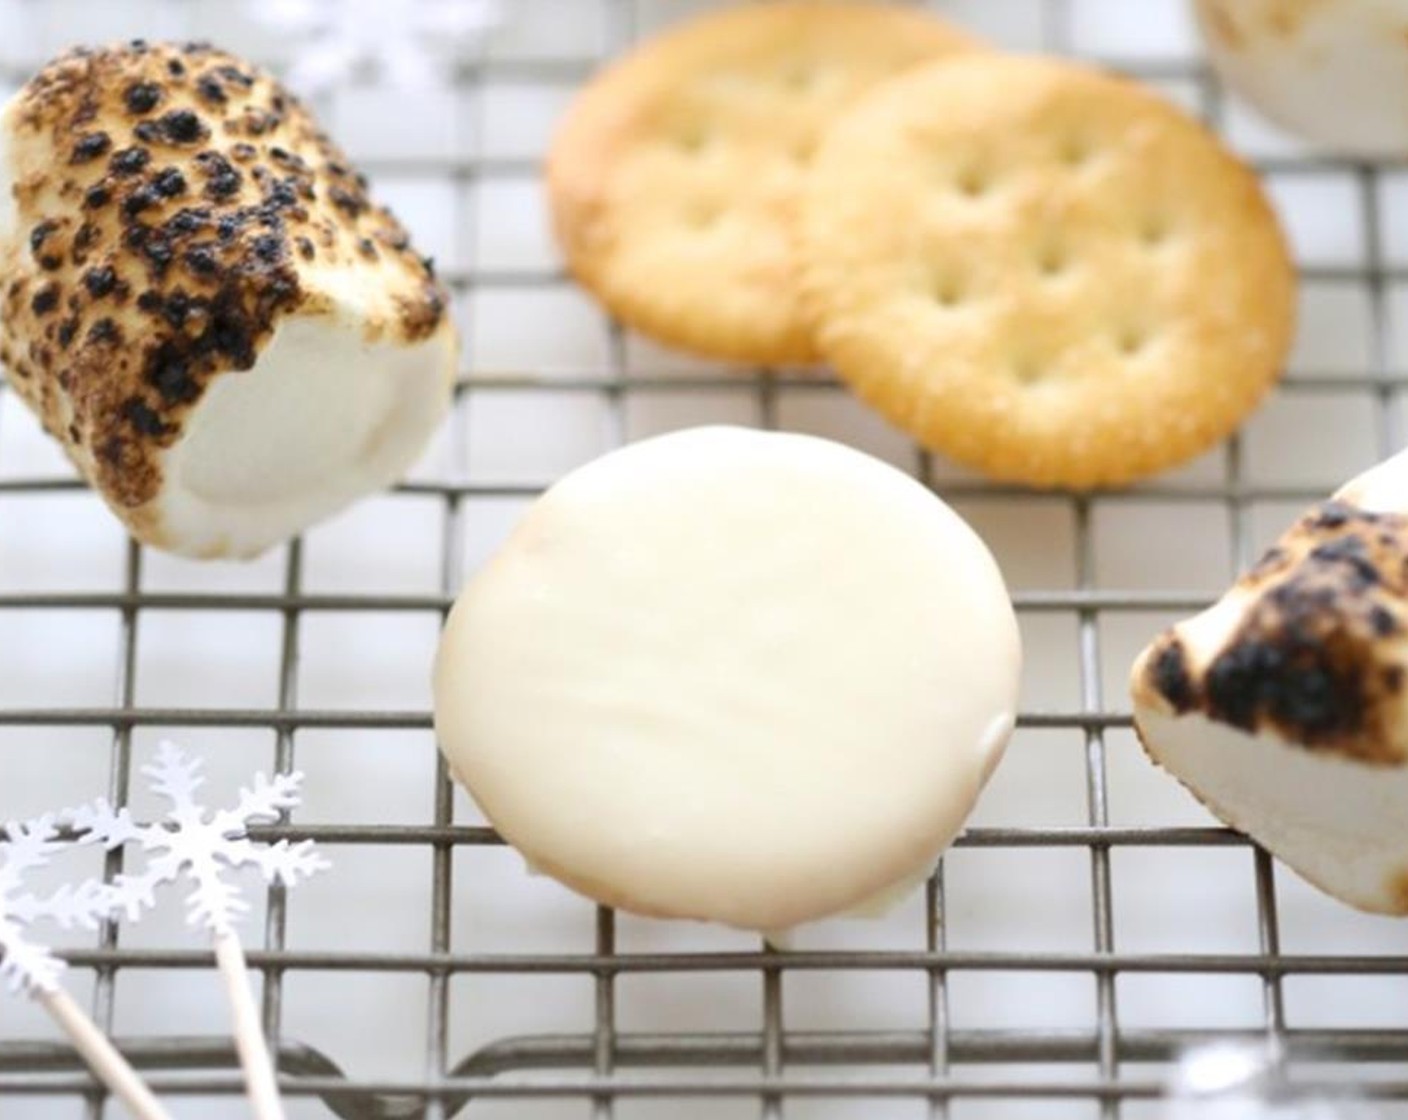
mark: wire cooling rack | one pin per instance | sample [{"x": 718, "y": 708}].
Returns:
[{"x": 1091, "y": 923}]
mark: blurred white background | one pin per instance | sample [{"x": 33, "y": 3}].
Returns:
[{"x": 458, "y": 162}]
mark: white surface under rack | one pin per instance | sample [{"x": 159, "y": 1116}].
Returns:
[{"x": 1091, "y": 920}]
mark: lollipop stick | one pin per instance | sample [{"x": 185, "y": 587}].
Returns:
[
  {"x": 253, "y": 1048},
  {"x": 102, "y": 1057}
]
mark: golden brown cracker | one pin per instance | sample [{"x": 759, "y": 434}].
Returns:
[
  {"x": 1045, "y": 272},
  {"x": 676, "y": 175}
]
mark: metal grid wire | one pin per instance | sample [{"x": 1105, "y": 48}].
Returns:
[{"x": 772, "y": 1066}]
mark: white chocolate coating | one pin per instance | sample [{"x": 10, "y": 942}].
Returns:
[{"x": 748, "y": 677}]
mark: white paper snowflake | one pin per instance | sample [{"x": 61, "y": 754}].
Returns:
[
  {"x": 205, "y": 846},
  {"x": 29, "y": 845},
  {"x": 406, "y": 41}
]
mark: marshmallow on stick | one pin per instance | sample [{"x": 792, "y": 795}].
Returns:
[
  {"x": 1284, "y": 707},
  {"x": 201, "y": 303}
]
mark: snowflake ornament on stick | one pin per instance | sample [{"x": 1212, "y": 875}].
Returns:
[
  {"x": 200, "y": 845},
  {"x": 191, "y": 845},
  {"x": 201, "y": 848},
  {"x": 405, "y": 41},
  {"x": 29, "y": 967},
  {"x": 26, "y": 965}
]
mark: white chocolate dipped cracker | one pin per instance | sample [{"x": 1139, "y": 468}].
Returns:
[
  {"x": 747, "y": 677},
  {"x": 1283, "y": 707}
]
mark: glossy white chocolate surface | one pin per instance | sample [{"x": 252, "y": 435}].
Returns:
[{"x": 749, "y": 677}]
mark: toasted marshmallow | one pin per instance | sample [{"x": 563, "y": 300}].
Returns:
[
  {"x": 200, "y": 302},
  {"x": 1282, "y": 707},
  {"x": 1332, "y": 71}
]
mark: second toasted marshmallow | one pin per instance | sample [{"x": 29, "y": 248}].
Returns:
[{"x": 1284, "y": 707}]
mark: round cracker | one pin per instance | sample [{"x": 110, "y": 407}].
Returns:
[
  {"x": 1045, "y": 272},
  {"x": 676, "y": 175}
]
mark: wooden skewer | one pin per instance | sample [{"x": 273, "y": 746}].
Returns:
[
  {"x": 102, "y": 1057},
  {"x": 253, "y": 1047}
]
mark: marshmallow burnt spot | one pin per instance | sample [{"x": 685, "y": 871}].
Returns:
[
  {"x": 1314, "y": 658},
  {"x": 202, "y": 302}
]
